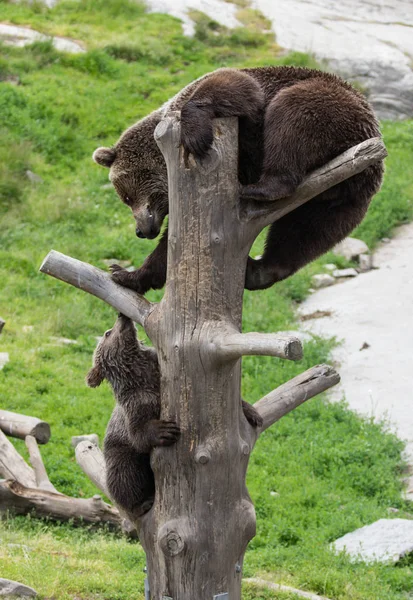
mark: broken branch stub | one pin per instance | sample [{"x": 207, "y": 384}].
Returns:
[
  {"x": 98, "y": 283},
  {"x": 298, "y": 390}
]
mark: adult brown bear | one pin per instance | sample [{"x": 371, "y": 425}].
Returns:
[{"x": 291, "y": 121}]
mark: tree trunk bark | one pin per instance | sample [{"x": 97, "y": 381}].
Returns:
[{"x": 202, "y": 520}]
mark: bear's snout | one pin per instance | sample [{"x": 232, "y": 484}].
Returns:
[{"x": 139, "y": 233}]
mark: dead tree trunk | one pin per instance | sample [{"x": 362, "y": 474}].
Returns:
[{"x": 202, "y": 520}]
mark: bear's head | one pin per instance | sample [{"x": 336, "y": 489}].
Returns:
[
  {"x": 116, "y": 354},
  {"x": 138, "y": 174}
]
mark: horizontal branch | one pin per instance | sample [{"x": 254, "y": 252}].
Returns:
[
  {"x": 98, "y": 283},
  {"x": 42, "y": 479},
  {"x": 235, "y": 345},
  {"x": 12, "y": 465},
  {"x": 19, "y": 426},
  {"x": 22, "y": 500},
  {"x": 278, "y": 587},
  {"x": 342, "y": 167},
  {"x": 288, "y": 396}
]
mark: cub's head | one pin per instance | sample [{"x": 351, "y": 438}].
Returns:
[
  {"x": 116, "y": 354},
  {"x": 138, "y": 173}
]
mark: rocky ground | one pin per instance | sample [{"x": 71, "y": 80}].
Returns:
[{"x": 372, "y": 316}]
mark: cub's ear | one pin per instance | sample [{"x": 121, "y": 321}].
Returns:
[
  {"x": 104, "y": 156},
  {"x": 95, "y": 377}
]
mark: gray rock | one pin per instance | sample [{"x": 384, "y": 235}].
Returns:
[
  {"x": 330, "y": 266},
  {"x": 351, "y": 248},
  {"x": 15, "y": 589},
  {"x": 322, "y": 280},
  {"x": 22, "y": 36},
  {"x": 338, "y": 273},
  {"x": 4, "y": 359},
  {"x": 365, "y": 262},
  {"x": 33, "y": 177},
  {"x": 90, "y": 437},
  {"x": 386, "y": 540}
]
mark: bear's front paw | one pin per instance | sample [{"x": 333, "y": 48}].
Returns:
[
  {"x": 163, "y": 433},
  {"x": 134, "y": 280},
  {"x": 196, "y": 130}
]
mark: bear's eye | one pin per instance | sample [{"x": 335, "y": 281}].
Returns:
[
  {"x": 128, "y": 201},
  {"x": 107, "y": 333}
]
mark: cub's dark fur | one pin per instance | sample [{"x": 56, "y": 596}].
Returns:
[
  {"x": 134, "y": 428},
  {"x": 291, "y": 121}
]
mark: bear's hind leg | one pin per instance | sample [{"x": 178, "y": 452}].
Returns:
[{"x": 130, "y": 479}]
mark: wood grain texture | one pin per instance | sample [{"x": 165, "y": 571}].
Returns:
[
  {"x": 19, "y": 426},
  {"x": 235, "y": 345},
  {"x": 98, "y": 283},
  {"x": 42, "y": 479},
  {"x": 288, "y": 396},
  {"x": 12, "y": 465},
  {"x": 22, "y": 500}
]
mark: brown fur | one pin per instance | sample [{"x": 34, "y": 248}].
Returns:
[
  {"x": 292, "y": 120},
  {"x": 134, "y": 428}
]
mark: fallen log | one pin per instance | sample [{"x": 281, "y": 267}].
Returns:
[
  {"x": 19, "y": 426},
  {"x": 21, "y": 500},
  {"x": 12, "y": 465}
]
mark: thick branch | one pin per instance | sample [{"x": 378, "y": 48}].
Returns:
[
  {"x": 12, "y": 465},
  {"x": 19, "y": 426},
  {"x": 342, "y": 167},
  {"x": 96, "y": 282},
  {"x": 42, "y": 480},
  {"x": 233, "y": 346},
  {"x": 90, "y": 459},
  {"x": 288, "y": 396},
  {"x": 92, "y": 462},
  {"x": 22, "y": 500}
]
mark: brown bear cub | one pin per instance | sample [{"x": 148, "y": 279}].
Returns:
[
  {"x": 134, "y": 428},
  {"x": 291, "y": 121}
]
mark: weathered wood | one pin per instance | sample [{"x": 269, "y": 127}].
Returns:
[
  {"x": 2, "y": 324},
  {"x": 15, "y": 589},
  {"x": 21, "y": 500},
  {"x": 98, "y": 283},
  {"x": 42, "y": 480},
  {"x": 288, "y": 396},
  {"x": 12, "y": 465},
  {"x": 351, "y": 162},
  {"x": 197, "y": 532},
  {"x": 235, "y": 345},
  {"x": 19, "y": 426},
  {"x": 88, "y": 437},
  {"x": 92, "y": 462},
  {"x": 90, "y": 459}
]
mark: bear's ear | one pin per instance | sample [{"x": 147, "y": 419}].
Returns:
[
  {"x": 95, "y": 377},
  {"x": 104, "y": 156}
]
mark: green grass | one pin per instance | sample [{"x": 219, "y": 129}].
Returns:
[{"x": 318, "y": 473}]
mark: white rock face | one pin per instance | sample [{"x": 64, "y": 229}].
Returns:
[
  {"x": 386, "y": 540},
  {"x": 351, "y": 248},
  {"x": 338, "y": 273},
  {"x": 22, "y": 36},
  {"x": 370, "y": 42},
  {"x": 219, "y": 10},
  {"x": 322, "y": 280}
]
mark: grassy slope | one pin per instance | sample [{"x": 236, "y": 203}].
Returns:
[{"x": 332, "y": 471}]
